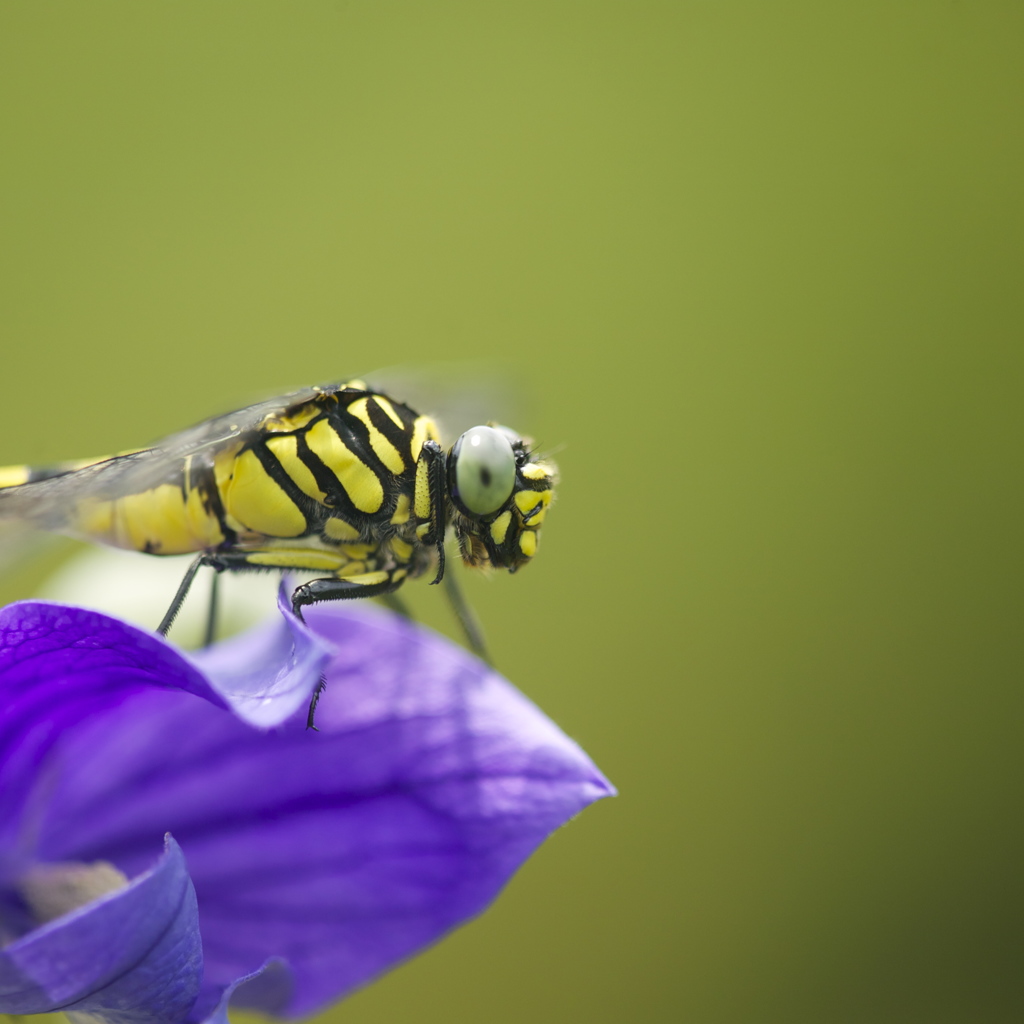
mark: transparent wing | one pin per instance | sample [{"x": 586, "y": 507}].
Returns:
[
  {"x": 458, "y": 394},
  {"x": 44, "y": 503}
]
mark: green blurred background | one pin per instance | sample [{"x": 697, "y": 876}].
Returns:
[{"x": 761, "y": 267}]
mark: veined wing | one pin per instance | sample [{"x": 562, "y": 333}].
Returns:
[
  {"x": 47, "y": 503},
  {"x": 459, "y": 394}
]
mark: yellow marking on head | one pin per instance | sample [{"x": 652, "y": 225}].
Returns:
[
  {"x": 382, "y": 447},
  {"x": 421, "y": 496},
  {"x": 12, "y": 476},
  {"x": 256, "y": 500},
  {"x": 422, "y": 530},
  {"x": 528, "y": 542},
  {"x": 500, "y": 527},
  {"x": 338, "y": 529},
  {"x": 536, "y": 471},
  {"x": 402, "y": 550},
  {"x": 423, "y": 429},
  {"x": 527, "y": 501},
  {"x": 355, "y": 384},
  {"x": 287, "y": 451},
  {"x": 389, "y": 410},
  {"x": 359, "y": 480},
  {"x": 294, "y": 558},
  {"x": 401, "y": 510},
  {"x": 281, "y": 423}
]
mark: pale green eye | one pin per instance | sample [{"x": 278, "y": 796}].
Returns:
[{"x": 485, "y": 470}]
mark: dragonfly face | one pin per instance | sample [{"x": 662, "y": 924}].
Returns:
[{"x": 499, "y": 495}]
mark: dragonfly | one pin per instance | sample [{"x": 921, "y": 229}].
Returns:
[{"x": 340, "y": 480}]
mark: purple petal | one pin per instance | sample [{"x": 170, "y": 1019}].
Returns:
[
  {"x": 341, "y": 851},
  {"x": 131, "y": 957},
  {"x": 268, "y": 989},
  {"x": 268, "y": 672},
  {"x": 59, "y": 668}
]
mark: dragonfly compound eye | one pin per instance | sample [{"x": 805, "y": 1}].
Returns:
[{"x": 482, "y": 471}]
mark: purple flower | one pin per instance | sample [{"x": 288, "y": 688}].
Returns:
[{"x": 171, "y": 834}]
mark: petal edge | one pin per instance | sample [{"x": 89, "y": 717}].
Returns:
[{"x": 82, "y": 961}]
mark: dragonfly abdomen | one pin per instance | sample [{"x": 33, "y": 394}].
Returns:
[{"x": 171, "y": 518}]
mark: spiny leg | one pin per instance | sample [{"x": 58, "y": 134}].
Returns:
[
  {"x": 179, "y": 597},
  {"x": 378, "y": 584},
  {"x": 313, "y": 701}
]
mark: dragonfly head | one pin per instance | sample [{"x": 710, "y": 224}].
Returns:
[{"x": 500, "y": 494}]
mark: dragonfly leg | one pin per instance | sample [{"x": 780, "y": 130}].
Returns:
[
  {"x": 179, "y": 597},
  {"x": 313, "y": 701},
  {"x": 369, "y": 584},
  {"x": 377, "y": 584}
]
